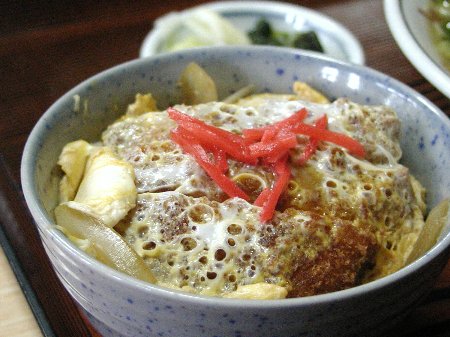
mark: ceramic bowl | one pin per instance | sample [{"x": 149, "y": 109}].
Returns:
[
  {"x": 338, "y": 42},
  {"x": 119, "y": 305}
]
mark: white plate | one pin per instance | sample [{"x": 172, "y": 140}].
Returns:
[
  {"x": 409, "y": 28},
  {"x": 337, "y": 41}
]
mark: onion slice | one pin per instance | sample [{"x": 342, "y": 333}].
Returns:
[
  {"x": 196, "y": 85},
  {"x": 258, "y": 291},
  {"x": 434, "y": 224},
  {"x": 109, "y": 247},
  {"x": 72, "y": 160}
]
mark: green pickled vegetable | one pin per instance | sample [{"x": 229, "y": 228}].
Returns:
[
  {"x": 264, "y": 34},
  {"x": 308, "y": 40}
]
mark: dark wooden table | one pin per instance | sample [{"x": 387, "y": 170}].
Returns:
[{"x": 47, "y": 47}]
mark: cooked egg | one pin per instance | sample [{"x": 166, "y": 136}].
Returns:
[
  {"x": 342, "y": 220},
  {"x": 107, "y": 186}
]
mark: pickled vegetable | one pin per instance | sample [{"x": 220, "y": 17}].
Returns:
[{"x": 264, "y": 34}]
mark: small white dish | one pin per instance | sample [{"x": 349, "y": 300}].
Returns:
[
  {"x": 409, "y": 28},
  {"x": 337, "y": 41}
]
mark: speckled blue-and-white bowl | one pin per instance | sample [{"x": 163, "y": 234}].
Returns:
[{"x": 122, "y": 306}]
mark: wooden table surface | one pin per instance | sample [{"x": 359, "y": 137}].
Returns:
[{"x": 47, "y": 47}]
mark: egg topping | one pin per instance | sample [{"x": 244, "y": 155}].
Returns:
[{"x": 341, "y": 221}]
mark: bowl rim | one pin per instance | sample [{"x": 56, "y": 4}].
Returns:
[
  {"x": 46, "y": 226},
  {"x": 411, "y": 47},
  {"x": 351, "y": 44}
]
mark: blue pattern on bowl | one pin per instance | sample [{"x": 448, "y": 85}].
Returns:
[{"x": 121, "y": 306}]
